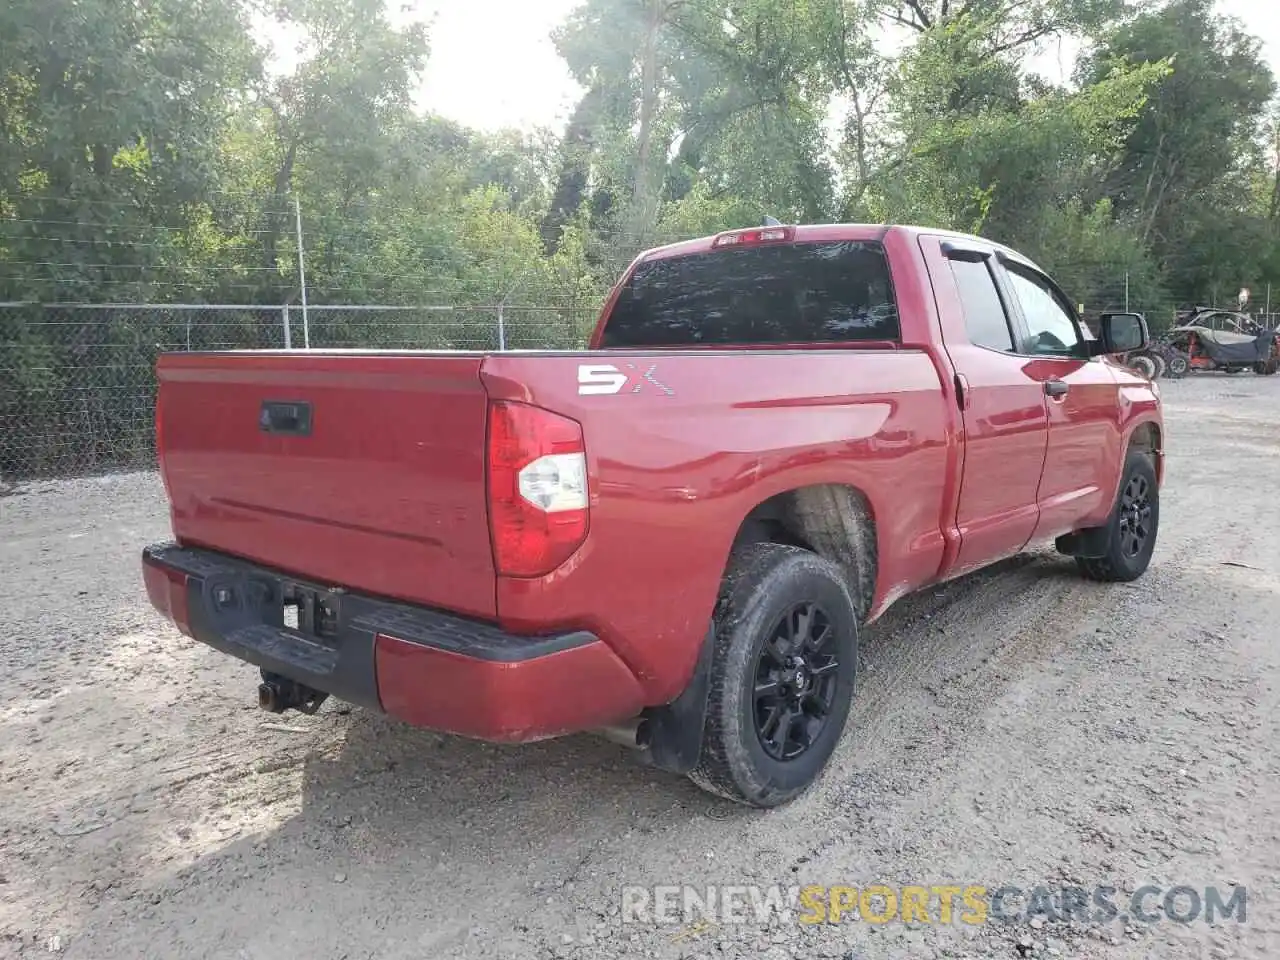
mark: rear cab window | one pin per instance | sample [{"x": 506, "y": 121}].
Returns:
[{"x": 821, "y": 292}]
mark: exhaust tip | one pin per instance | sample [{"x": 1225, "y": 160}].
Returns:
[
  {"x": 269, "y": 698},
  {"x": 633, "y": 733}
]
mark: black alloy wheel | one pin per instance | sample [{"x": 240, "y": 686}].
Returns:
[
  {"x": 795, "y": 683},
  {"x": 1134, "y": 524},
  {"x": 1135, "y": 515}
]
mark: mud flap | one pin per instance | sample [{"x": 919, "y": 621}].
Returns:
[
  {"x": 675, "y": 730},
  {"x": 1090, "y": 544}
]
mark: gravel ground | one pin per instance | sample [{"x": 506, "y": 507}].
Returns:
[{"x": 1019, "y": 727}]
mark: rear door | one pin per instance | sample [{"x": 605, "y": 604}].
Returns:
[
  {"x": 1002, "y": 402},
  {"x": 1083, "y": 403}
]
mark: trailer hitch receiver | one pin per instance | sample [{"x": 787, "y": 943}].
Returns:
[{"x": 276, "y": 694}]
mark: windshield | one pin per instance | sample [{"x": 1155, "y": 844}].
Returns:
[{"x": 788, "y": 293}]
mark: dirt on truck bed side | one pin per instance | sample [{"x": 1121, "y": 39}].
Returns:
[{"x": 1020, "y": 727}]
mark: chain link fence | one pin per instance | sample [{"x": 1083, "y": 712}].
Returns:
[
  {"x": 497, "y": 327},
  {"x": 77, "y": 381}
]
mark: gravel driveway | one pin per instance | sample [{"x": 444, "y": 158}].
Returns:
[{"x": 1017, "y": 727}]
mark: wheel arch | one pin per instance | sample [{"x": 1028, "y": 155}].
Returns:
[
  {"x": 1148, "y": 437},
  {"x": 834, "y": 520},
  {"x": 1145, "y": 435}
]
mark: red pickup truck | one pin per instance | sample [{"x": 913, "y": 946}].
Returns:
[{"x": 674, "y": 536}]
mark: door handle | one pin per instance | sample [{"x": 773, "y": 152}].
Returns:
[{"x": 1056, "y": 388}]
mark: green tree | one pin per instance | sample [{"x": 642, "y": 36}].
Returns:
[
  {"x": 1186, "y": 175},
  {"x": 1013, "y": 148},
  {"x": 687, "y": 92},
  {"x": 110, "y": 123},
  {"x": 1009, "y": 26}
]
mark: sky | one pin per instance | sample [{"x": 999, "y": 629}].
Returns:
[{"x": 493, "y": 65}]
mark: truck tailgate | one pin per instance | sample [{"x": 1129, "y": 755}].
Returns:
[{"x": 364, "y": 471}]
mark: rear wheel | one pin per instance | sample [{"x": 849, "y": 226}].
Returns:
[
  {"x": 1134, "y": 523},
  {"x": 1178, "y": 365},
  {"x": 782, "y": 678}
]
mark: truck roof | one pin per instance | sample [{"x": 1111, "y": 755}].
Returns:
[{"x": 835, "y": 232}]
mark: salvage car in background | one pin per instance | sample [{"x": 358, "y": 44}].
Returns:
[
  {"x": 1209, "y": 339},
  {"x": 1195, "y": 347}
]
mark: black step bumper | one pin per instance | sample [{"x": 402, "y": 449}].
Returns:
[
  {"x": 426, "y": 667},
  {"x": 239, "y": 608}
]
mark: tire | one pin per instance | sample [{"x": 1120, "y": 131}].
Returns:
[
  {"x": 1162, "y": 365},
  {"x": 1134, "y": 524},
  {"x": 1266, "y": 368},
  {"x": 772, "y": 592},
  {"x": 1178, "y": 366},
  {"x": 1143, "y": 364}
]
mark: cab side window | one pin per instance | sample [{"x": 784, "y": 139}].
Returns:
[
  {"x": 1051, "y": 328},
  {"x": 985, "y": 320}
]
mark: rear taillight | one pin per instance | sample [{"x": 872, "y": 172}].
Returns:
[{"x": 537, "y": 489}]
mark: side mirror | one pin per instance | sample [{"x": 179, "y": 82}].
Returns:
[{"x": 1121, "y": 333}]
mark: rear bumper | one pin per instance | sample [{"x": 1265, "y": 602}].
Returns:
[{"x": 424, "y": 667}]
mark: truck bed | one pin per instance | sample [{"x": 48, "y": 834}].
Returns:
[{"x": 385, "y": 494}]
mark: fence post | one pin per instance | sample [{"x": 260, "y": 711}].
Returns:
[
  {"x": 1126, "y": 291},
  {"x": 502, "y": 330},
  {"x": 284, "y": 324},
  {"x": 302, "y": 275}
]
